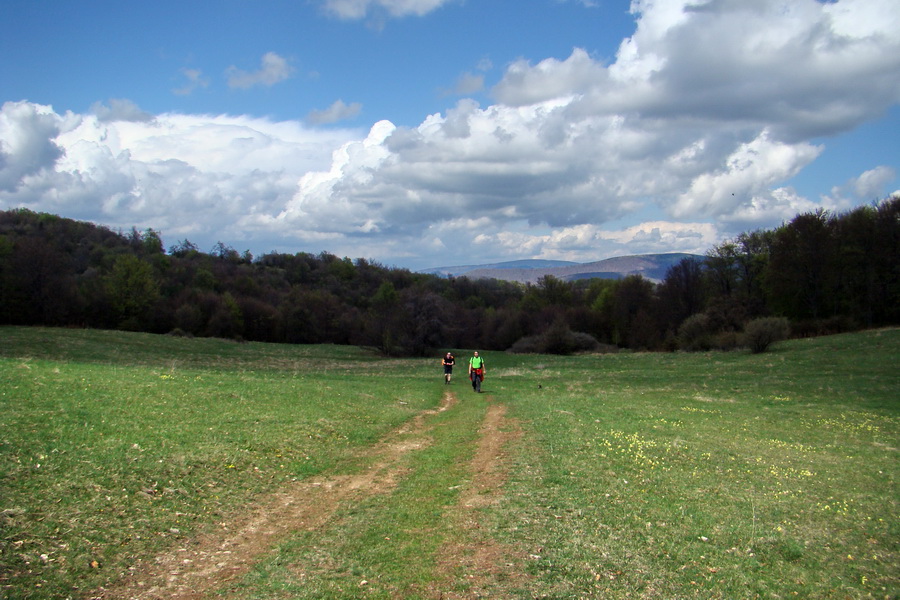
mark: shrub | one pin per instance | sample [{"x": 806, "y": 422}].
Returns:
[
  {"x": 759, "y": 334},
  {"x": 695, "y": 333},
  {"x": 829, "y": 326},
  {"x": 726, "y": 341},
  {"x": 530, "y": 344},
  {"x": 606, "y": 349},
  {"x": 556, "y": 340},
  {"x": 584, "y": 342}
]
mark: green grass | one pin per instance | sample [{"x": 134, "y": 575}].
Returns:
[
  {"x": 114, "y": 445},
  {"x": 638, "y": 475},
  {"x": 713, "y": 475},
  {"x": 390, "y": 542}
]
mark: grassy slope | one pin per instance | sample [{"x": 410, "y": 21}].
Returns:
[
  {"x": 714, "y": 475},
  {"x": 708, "y": 475},
  {"x": 117, "y": 444}
]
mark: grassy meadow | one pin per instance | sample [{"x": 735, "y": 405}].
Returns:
[{"x": 708, "y": 475}]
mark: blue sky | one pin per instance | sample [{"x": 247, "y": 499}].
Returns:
[{"x": 425, "y": 133}]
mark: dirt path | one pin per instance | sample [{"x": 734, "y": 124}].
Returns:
[
  {"x": 475, "y": 565},
  {"x": 207, "y": 562}
]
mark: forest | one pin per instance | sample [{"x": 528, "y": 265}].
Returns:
[{"x": 821, "y": 272}]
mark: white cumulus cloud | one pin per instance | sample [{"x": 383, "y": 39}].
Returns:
[
  {"x": 357, "y": 9},
  {"x": 195, "y": 176},
  {"x": 273, "y": 69},
  {"x": 708, "y": 109},
  {"x": 120, "y": 110},
  {"x": 338, "y": 111},
  {"x": 194, "y": 80},
  {"x": 865, "y": 188},
  {"x": 27, "y": 142}
]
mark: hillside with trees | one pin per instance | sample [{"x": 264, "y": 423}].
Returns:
[{"x": 821, "y": 272}]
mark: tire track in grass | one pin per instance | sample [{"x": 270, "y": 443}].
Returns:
[
  {"x": 205, "y": 563},
  {"x": 475, "y": 565}
]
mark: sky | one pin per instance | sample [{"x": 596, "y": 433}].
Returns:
[{"x": 428, "y": 133}]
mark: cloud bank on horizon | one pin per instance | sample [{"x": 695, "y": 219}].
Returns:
[{"x": 694, "y": 131}]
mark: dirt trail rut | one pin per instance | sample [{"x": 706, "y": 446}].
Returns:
[
  {"x": 205, "y": 563},
  {"x": 476, "y": 565}
]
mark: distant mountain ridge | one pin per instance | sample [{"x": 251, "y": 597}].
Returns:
[
  {"x": 513, "y": 264},
  {"x": 649, "y": 266}
]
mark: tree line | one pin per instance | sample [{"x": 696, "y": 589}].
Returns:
[{"x": 823, "y": 272}]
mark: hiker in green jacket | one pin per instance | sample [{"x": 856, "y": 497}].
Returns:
[{"x": 476, "y": 371}]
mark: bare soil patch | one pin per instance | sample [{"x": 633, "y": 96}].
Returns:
[{"x": 230, "y": 550}]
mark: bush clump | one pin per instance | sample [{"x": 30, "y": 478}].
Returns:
[
  {"x": 696, "y": 333},
  {"x": 726, "y": 341},
  {"x": 759, "y": 334},
  {"x": 556, "y": 340}
]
